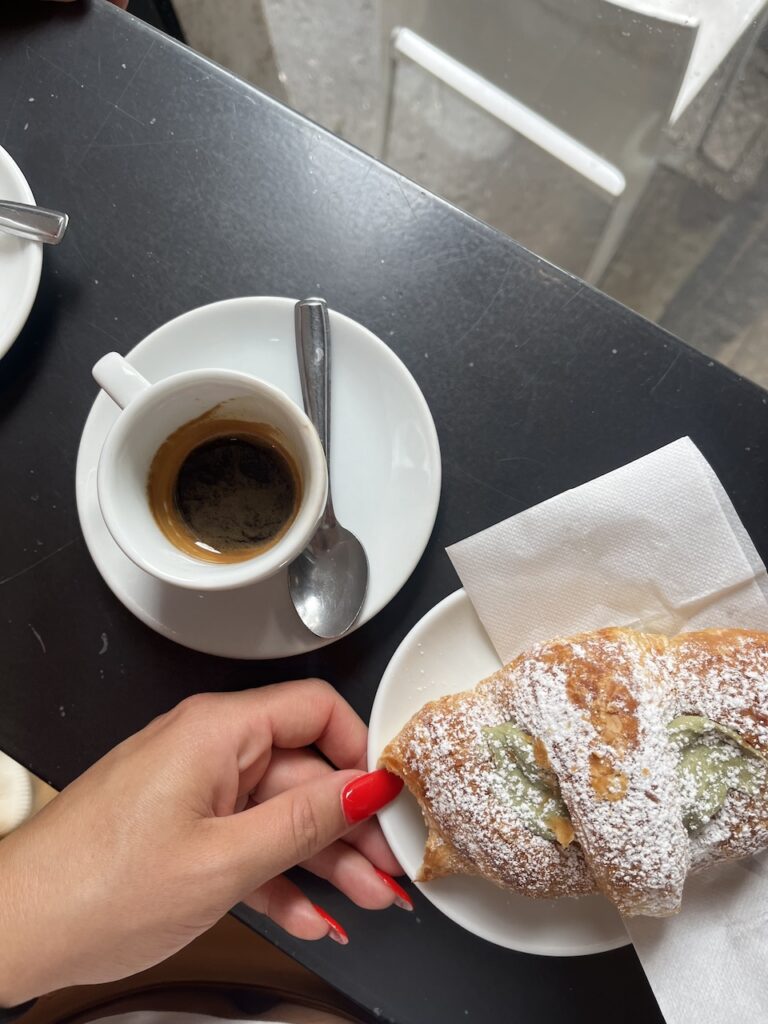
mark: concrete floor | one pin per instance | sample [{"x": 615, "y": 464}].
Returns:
[{"x": 695, "y": 256}]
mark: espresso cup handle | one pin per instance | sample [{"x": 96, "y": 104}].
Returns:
[{"x": 119, "y": 379}]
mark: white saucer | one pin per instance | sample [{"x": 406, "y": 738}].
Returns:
[
  {"x": 448, "y": 651},
  {"x": 385, "y": 469},
  {"x": 20, "y": 260}
]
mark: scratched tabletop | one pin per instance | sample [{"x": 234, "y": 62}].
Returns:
[{"x": 185, "y": 185}]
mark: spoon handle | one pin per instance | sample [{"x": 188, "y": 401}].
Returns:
[
  {"x": 313, "y": 348},
  {"x": 33, "y": 222}
]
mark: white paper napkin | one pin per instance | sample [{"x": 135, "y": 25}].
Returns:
[{"x": 657, "y": 545}]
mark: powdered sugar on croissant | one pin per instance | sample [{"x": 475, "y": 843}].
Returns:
[{"x": 614, "y": 761}]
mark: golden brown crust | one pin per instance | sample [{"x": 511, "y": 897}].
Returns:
[
  {"x": 597, "y": 706},
  {"x": 723, "y": 674},
  {"x": 594, "y": 701},
  {"x": 441, "y": 858},
  {"x": 469, "y": 831}
]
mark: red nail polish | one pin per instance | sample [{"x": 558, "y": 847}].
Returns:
[
  {"x": 336, "y": 933},
  {"x": 369, "y": 793},
  {"x": 402, "y": 899}
]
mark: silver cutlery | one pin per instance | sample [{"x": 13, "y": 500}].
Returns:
[
  {"x": 329, "y": 580},
  {"x": 33, "y": 222}
]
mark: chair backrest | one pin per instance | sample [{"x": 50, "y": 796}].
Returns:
[
  {"x": 605, "y": 75},
  {"x": 721, "y": 25}
]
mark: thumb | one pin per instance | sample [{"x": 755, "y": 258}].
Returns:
[{"x": 296, "y": 824}]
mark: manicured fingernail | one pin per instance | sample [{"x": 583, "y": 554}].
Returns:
[
  {"x": 336, "y": 933},
  {"x": 402, "y": 899},
  {"x": 369, "y": 793}
]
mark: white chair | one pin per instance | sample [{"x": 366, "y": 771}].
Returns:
[
  {"x": 721, "y": 24},
  {"x": 592, "y": 82}
]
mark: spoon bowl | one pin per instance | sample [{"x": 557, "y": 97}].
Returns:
[{"x": 328, "y": 581}]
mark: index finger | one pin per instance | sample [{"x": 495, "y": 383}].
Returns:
[{"x": 297, "y": 714}]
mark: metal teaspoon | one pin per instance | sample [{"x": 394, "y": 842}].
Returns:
[
  {"x": 329, "y": 579},
  {"x": 33, "y": 222}
]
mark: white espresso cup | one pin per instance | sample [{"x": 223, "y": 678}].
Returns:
[{"x": 150, "y": 413}]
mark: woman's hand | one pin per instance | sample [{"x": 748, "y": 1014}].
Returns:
[{"x": 203, "y": 808}]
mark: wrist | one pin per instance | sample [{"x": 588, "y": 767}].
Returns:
[
  {"x": 17, "y": 956},
  {"x": 13, "y": 995},
  {"x": 15, "y": 989},
  {"x": 12, "y": 1013}
]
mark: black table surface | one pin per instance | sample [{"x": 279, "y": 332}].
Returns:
[{"x": 185, "y": 185}]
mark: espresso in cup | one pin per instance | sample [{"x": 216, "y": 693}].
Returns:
[
  {"x": 224, "y": 489},
  {"x": 209, "y": 479}
]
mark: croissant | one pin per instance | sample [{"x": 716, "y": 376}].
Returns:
[{"x": 612, "y": 762}]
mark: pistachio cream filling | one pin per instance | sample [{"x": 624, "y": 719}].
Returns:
[
  {"x": 712, "y": 760},
  {"x": 528, "y": 785}
]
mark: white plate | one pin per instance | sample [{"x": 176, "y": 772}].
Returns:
[
  {"x": 20, "y": 259},
  {"x": 448, "y": 651},
  {"x": 385, "y": 469}
]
